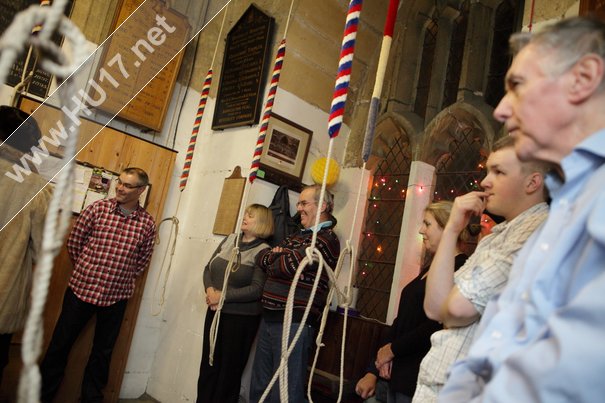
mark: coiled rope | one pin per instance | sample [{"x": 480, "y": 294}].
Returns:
[
  {"x": 235, "y": 257},
  {"x": 13, "y": 42},
  {"x": 334, "y": 124}
]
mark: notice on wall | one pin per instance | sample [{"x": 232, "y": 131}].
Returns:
[{"x": 244, "y": 71}]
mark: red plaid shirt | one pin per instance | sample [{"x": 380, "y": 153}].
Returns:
[{"x": 109, "y": 250}]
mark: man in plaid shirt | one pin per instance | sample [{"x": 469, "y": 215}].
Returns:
[{"x": 110, "y": 245}]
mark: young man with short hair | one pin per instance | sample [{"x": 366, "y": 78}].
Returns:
[{"x": 513, "y": 190}]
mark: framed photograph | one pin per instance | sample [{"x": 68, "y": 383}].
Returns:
[{"x": 285, "y": 152}]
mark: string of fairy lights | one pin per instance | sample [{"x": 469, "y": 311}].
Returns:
[{"x": 389, "y": 189}]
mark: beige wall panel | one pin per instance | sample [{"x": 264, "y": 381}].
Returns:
[
  {"x": 313, "y": 47},
  {"x": 308, "y": 83},
  {"x": 323, "y": 16}
]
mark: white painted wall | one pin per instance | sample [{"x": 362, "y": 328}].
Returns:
[{"x": 166, "y": 348}]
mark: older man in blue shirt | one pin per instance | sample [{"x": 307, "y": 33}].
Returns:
[{"x": 541, "y": 339}]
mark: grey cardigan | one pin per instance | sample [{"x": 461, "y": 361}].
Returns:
[{"x": 245, "y": 285}]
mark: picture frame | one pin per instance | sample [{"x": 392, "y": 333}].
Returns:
[{"x": 285, "y": 152}]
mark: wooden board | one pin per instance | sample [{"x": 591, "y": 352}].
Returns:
[
  {"x": 149, "y": 107},
  {"x": 593, "y": 7},
  {"x": 228, "y": 206}
]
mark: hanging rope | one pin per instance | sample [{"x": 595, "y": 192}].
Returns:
[
  {"x": 258, "y": 150},
  {"x": 281, "y": 51},
  {"x": 345, "y": 300},
  {"x": 16, "y": 37},
  {"x": 185, "y": 171},
  {"x": 262, "y": 134},
  {"x": 173, "y": 229},
  {"x": 343, "y": 76},
  {"x": 531, "y": 15},
  {"x": 334, "y": 124},
  {"x": 200, "y": 111}
]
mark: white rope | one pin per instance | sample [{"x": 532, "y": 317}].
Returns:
[
  {"x": 174, "y": 218},
  {"x": 174, "y": 228},
  {"x": 287, "y": 348},
  {"x": 232, "y": 266},
  {"x": 14, "y": 40},
  {"x": 234, "y": 257},
  {"x": 243, "y": 204},
  {"x": 343, "y": 298}
]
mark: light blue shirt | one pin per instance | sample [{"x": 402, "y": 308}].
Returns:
[
  {"x": 542, "y": 339},
  {"x": 316, "y": 228}
]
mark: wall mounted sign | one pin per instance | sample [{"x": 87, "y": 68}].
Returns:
[{"x": 243, "y": 71}]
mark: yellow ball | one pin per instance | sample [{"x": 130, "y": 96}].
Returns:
[{"x": 318, "y": 168}]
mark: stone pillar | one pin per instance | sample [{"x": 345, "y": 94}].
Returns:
[
  {"x": 476, "y": 60},
  {"x": 407, "y": 57},
  {"x": 440, "y": 62},
  {"x": 409, "y": 250}
]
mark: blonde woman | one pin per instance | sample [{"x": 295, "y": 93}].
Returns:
[
  {"x": 410, "y": 335},
  {"x": 240, "y": 315}
]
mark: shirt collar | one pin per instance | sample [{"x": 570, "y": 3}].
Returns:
[
  {"x": 115, "y": 207},
  {"x": 530, "y": 211},
  {"x": 319, "y": 226},
  {"x": 587, "y": 156}
]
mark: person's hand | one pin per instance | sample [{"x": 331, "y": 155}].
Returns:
[
  {"x": 385, "y": 370},
  {"x": 384, "y": 355},
  {"x": 213, "y": 297},
  {"x": 466, "y": 206},
  {"x": 277, "y": 249},
  {"x": 208, "y": 291},
  {"x": 366, "y": 386}
]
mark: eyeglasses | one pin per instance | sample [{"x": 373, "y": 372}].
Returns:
[
  {"x": 305, "y": 203},
  {"x": 128, "y": 185}
]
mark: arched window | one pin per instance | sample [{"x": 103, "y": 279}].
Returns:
[
  {"x": 378, "y": 247},
  {"x": 461, "y": 169}
]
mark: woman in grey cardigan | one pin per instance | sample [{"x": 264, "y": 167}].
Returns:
[{"x": 240, "y": 315}]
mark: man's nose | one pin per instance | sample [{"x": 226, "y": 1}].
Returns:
[{"x": 503, "y": 110}]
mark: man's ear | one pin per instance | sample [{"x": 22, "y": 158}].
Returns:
[
  {"x": 587, "y": 75},
  {"x": 534, "y": 182}
]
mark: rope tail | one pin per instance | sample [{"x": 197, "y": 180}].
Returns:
[
  {"x": 58, "y": 216},
  {"x": 232, "y": 266}
]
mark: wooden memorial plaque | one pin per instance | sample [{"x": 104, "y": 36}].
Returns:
[
  {"x": 134, "y": 68},
  {"x": 228, "y": 206},
  {"x": 243, "y": 74}
]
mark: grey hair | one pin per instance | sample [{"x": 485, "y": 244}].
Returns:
[
  {"x": 565, "y": 42},
  {"x": 328, "y": 197}
]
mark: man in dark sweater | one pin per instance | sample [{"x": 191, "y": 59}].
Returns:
[{"x": 280, "y": 264}]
